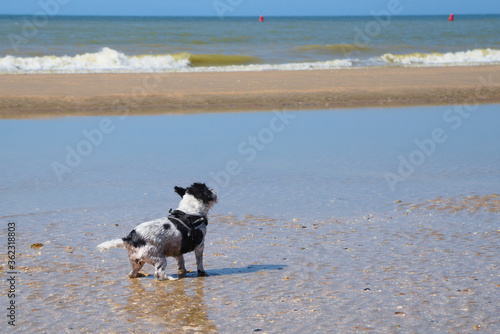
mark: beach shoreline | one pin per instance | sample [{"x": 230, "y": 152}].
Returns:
[{"x": 99, "y": 94}]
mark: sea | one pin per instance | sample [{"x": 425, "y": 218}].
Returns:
[{"x": 65, "y": 44}]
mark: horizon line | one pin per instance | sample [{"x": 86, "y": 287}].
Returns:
[{"x": 249, "y": 16}]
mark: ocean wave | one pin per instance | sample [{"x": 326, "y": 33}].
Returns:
[
  {"x": 106, "y": 60},
  {"x": 109, "y": 60},
  {"x": 206, "y": 60},
  {"x": 319, "y": 65},
  {"x": 470, "y": 57}
]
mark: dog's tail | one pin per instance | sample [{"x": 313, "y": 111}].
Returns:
[{"x": 110, "y": 244}]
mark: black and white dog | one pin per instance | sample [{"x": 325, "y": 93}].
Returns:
[{"x": 181, "y": 232}]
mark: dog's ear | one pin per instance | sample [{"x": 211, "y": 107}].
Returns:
[
  {"x": 201, "y": 192},
  {"x": 180, "y": 191}
]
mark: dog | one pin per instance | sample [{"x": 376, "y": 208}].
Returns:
[{"x": 181, "y": 232}]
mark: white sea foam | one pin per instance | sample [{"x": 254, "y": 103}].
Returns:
[
  {"x": 111, "y": 61},
  {"x": 106, "y": 60},
  {"x": 340, "y": 63},
  {"x": 471, "y": 57}
]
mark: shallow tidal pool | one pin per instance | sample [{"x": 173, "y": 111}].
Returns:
[{"x": 336, "y": 221}]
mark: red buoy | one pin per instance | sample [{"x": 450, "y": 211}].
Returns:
[
  {"x": 451, "y": 18},
  {"x": 261, "y": 18}
]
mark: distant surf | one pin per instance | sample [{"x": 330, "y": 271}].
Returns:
[
  {"x": 108, "y": 60},
  {"x": 193, "y": 44},
  {"x": 470, "y": 57}
]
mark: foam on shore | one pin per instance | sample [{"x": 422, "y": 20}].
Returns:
[{"x": 108, "y": 60}]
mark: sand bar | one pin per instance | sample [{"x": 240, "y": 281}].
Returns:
[{"x": 54, "y": 95}]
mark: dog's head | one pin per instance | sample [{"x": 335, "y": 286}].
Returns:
[{"x": 196, "y": 199}]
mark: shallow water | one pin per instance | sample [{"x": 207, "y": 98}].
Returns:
[{"x": 308, "y": 235}]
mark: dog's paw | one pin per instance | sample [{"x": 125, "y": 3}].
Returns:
[
  {"x": 166, "y": 278},
  {"x": 202, "y": 273},
  {"x": 135, "y": 275}
]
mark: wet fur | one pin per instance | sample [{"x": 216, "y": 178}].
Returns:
[{"x": 151, "y": 242}]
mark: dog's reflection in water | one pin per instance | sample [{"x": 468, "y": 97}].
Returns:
[{"x": 178, "y": 305}]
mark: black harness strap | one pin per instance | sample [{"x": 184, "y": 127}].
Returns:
[{"x": 190, "y": 222}]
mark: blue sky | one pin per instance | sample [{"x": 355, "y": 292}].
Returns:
[{"x": 247, "y": 7}]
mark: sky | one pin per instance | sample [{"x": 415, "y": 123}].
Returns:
[{"x": 247, "y": 7}]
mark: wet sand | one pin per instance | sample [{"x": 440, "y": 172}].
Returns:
[
  {"x": 380, "y": 273},
  {"x": 307, "y": 238},
  {"x": 54, "y": 95}
]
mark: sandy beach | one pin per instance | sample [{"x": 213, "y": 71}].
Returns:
[{"x": 54, "y": 95}]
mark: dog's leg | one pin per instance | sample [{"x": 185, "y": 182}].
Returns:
[
  {"x": 136, "y": 266},
  {"x": 182, "y": 266},
  {"x": 160, "y": 264},
  {"x": 198, "y": 251}
]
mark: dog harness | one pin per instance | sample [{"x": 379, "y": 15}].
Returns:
[{"x": 191, "y": 223}]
